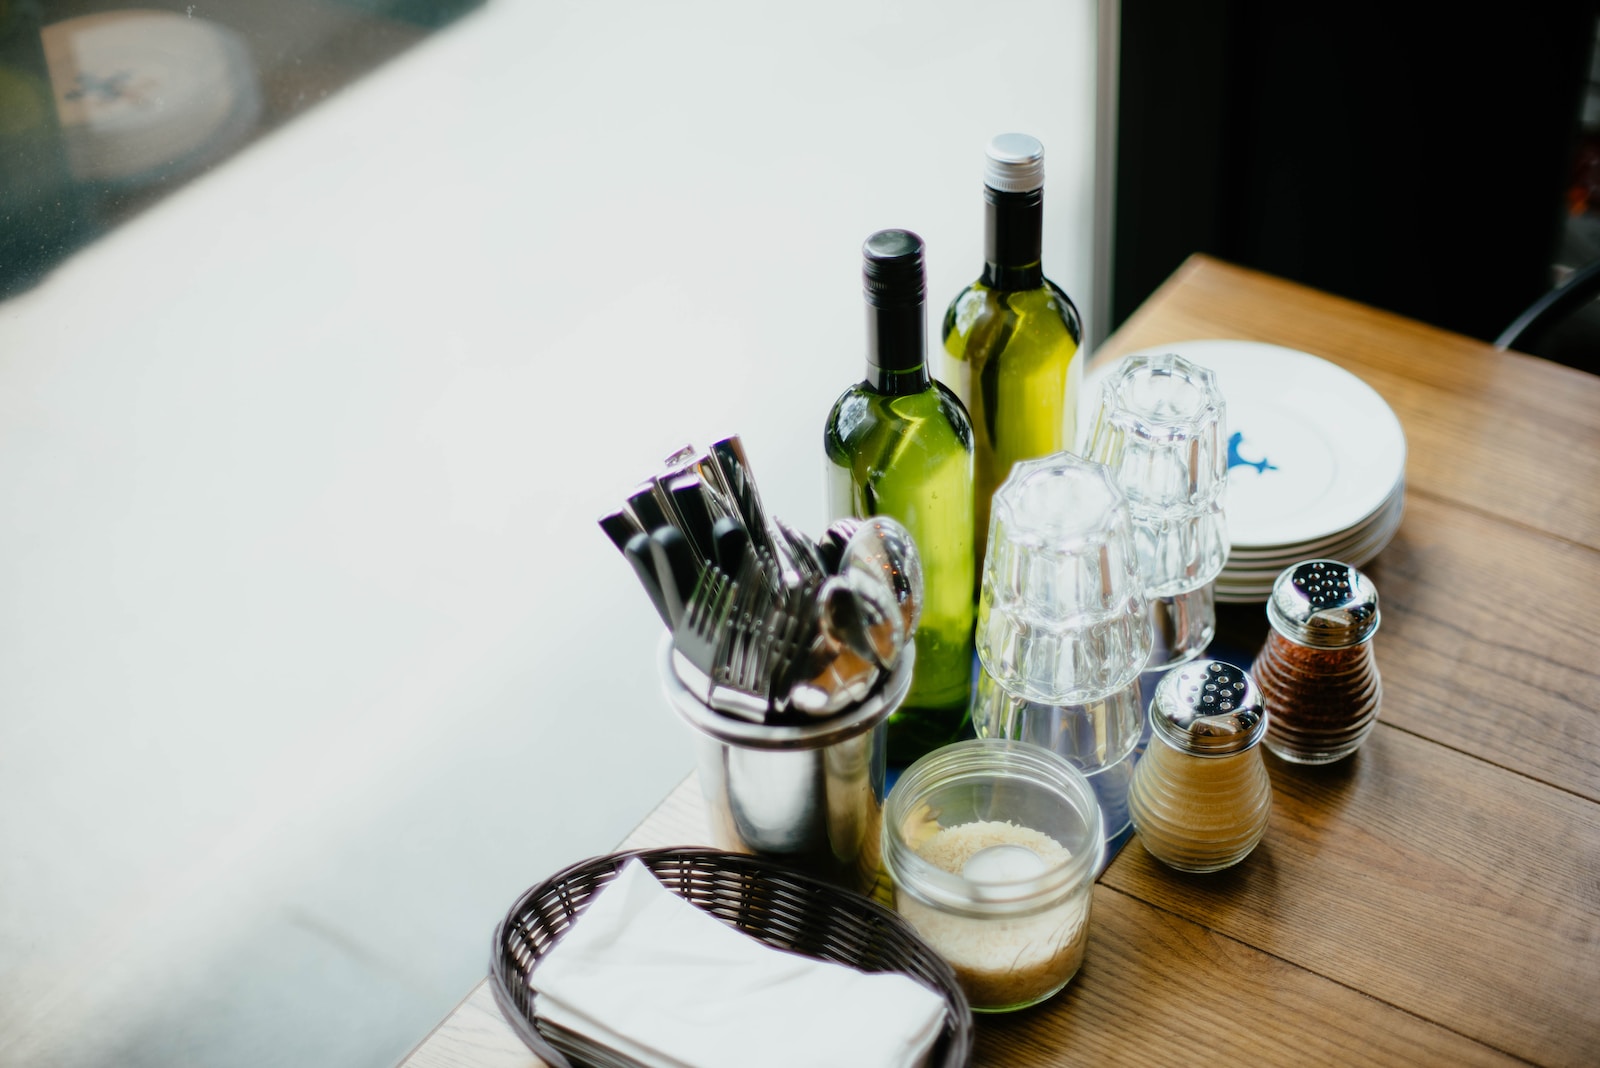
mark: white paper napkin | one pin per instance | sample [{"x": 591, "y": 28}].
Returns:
[{"x": 650, "y": 975}]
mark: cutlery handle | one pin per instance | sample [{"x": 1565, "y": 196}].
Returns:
[
  {"x": 728, "y": 454},
  {"x": 694, "y": 514},
  {"x": 646, "y": 508},
  {"x": 620, "y": 528},
  {"x": 637, "y": 552},
  {"x": 730, "y": 541},
  {"x": 675, "y": 569}
]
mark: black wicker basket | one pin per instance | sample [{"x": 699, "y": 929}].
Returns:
[{"x": 780, "y": 907}]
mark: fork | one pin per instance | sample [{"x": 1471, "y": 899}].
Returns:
[{"x": 724, "y": 660}]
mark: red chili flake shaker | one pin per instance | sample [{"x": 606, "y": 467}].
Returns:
[{"x": 1316, "y": 673}]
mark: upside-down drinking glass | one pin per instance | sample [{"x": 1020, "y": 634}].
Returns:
[
  {"x": 1161, "y": 429},
  {"x": 1063, "y": 625}
]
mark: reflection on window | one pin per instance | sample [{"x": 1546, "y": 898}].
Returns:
[{"x": 105, "y": 108}]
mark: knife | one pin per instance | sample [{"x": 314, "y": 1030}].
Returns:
[
  {"x": 728, "y": 454},
  {"x": 646, "y": 508},
  {"x": 694, "y": 514},
  {"x": 620, "y": 527},
  {"x": 676, "y": 569},
  {"x": 637, "y": 552}
]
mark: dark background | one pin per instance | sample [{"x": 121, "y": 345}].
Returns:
[{"x": 1415, "y": 157}]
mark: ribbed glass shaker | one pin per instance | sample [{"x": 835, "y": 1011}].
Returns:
[
  {"x": 1317, "y": 673},
  {"x": 1161, "y": 428},
  {"x": 1200, "y": 797},
  {"x": 993, "y": 848}
]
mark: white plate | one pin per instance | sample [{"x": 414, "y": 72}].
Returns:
[
  {"x": 1314, "y": 450},
  {"x": 1356, "y": 549},
  {"x": 1252, "y": 587},
  {"x": 1387, "y": 514}
]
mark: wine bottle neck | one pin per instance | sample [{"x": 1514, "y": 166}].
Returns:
[
  {"x": 1012, "y": 239},
  {"x": 896, "y": 289},
  {"x": 897, "y": 357}
]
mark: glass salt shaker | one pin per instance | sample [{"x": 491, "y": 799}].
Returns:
[
  {"x": 1317, "y": 674},
  {"x": 1200, "y": 796}
]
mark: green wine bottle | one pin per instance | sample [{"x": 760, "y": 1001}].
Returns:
[
  {"x": 1011, "y": 339},
  {"x": 899, "y": 444}
]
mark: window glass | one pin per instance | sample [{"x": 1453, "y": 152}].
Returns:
[{"x": 106, "y": 108}]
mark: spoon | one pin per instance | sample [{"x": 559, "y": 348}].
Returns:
[
  {"x": 882, "y": 550},
  {"x": 855, "y": 613},
  {"x": 832, "y": 544},
  {"x": 844, "y": 679}
]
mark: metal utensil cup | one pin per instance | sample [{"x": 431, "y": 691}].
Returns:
[{"x": 809, "y": 796}]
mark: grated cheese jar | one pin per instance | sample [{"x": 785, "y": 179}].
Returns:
[{"x": 993, "y": 847}]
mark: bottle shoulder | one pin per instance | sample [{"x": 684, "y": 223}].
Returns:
[
  {"x": 862, "y": 412},
  {"x": 847, "y": 419},
  {"x": 955, "y": 413},
  {"x": 1063, "y": 306},
  {"x": 1044, "y": 312}
]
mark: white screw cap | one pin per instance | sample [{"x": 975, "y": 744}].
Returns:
[{"x": 1015, "y": 164}]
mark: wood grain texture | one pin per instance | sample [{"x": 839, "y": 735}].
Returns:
[
  {"x": 1487, "y": 642},
  {"x": 1498, "y": 432},
  {"x": 1158, "y": 989},
  {"x": 474, "y": 1035},
  {"x": 680, "y": 820},
  {"x": 1458, "y": 891}
]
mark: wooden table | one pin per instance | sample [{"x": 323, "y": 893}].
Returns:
[{"x": 1434, "y": 899}]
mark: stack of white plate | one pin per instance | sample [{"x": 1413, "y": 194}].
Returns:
[{"x": 1316, "y": 463}]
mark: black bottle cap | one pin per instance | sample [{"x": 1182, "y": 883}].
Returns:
[
  {"x": 891, "y": 270},
  {"x": 891, "y": 274}
]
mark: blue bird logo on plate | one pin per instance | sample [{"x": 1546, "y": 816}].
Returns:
[{"x": 1262, "y": 465}]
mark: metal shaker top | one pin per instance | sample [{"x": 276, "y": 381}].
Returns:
[
  {"x": 1324, "y": 604},
  {"x": 1207, "y": 708}
]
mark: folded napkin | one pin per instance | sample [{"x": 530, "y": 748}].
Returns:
[{"x": 650, "y": 975}]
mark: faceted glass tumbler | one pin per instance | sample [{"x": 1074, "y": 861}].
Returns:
[
  {"x": 1097, "y": 737},
  {"x": 1183, "y": 625},
  {"x": 1089, "y": 734},
  {"x": 1062, "y": 615},
  {"x": 1161, "y": 429}
]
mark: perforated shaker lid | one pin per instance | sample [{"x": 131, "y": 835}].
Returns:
[
  {"x": 1323, "y": 603},
  {"x": 1207, "y": 708}
]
